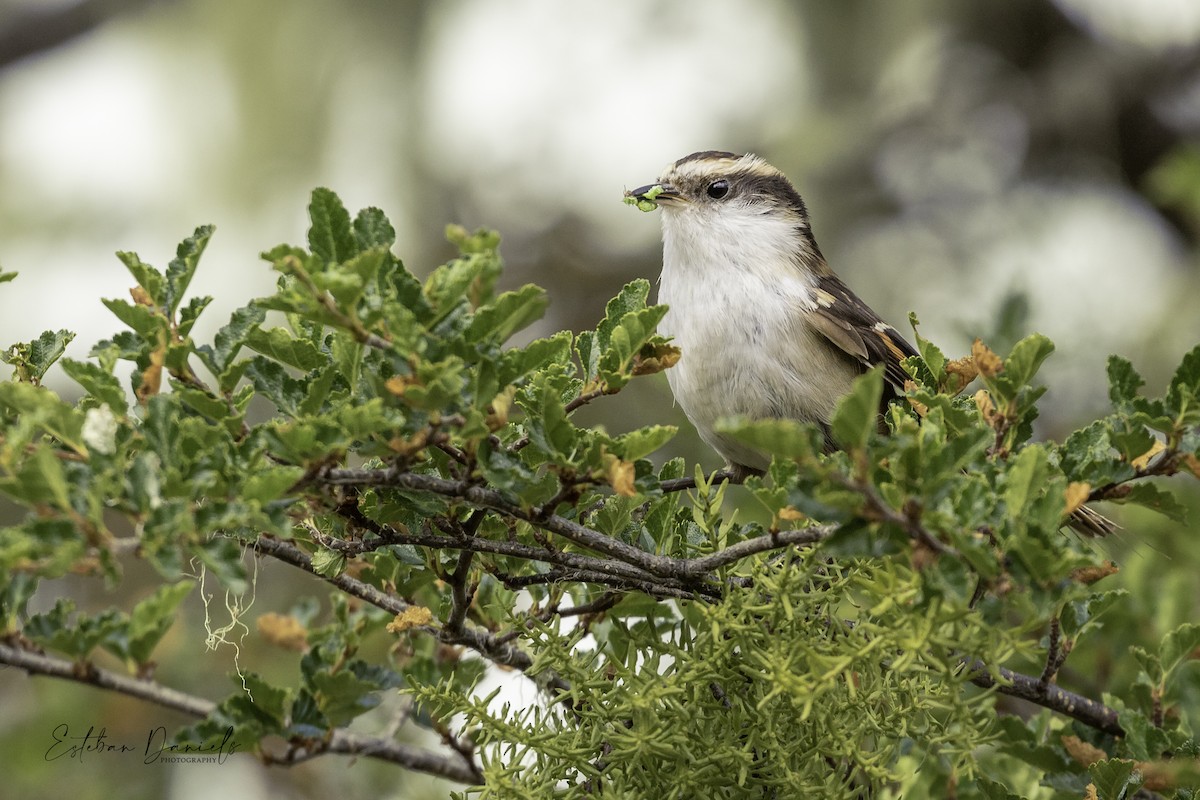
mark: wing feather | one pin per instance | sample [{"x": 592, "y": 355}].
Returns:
[{"x": 853, "y": 327}]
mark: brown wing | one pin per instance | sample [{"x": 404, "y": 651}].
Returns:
[{"x": 850, "y": 324}]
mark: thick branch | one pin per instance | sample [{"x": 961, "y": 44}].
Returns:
[
  {"x": 1048, "y": 695},
  {"x": 50, "y": 666},
  {"x": 340, "y": 741}
]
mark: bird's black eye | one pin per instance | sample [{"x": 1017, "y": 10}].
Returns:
[{"x": 718, "y": 189}]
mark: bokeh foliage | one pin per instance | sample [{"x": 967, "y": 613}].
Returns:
[{"x": 380, "y": 432}]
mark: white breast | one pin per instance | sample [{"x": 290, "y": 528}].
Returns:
[{"x": 737, "y": 311}]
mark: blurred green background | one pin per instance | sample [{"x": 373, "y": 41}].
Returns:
[{"x": 998, "y": 167}]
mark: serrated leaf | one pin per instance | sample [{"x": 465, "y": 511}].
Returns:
[
  {"x": 1026, "y": 357},
  {"x": 1123, "y": 381},
  {"x": 190, "y": 313},
  {"x": 1152, "y": 496},
  {"x": 230, "y": 338},
  {"x": 141, "y": 319},
  {"x": 183, "y": 266},
  {"x": 991, "y": 790},
  {"x": 268, "y": 484},
  {"x": 45, "y": 350},
  {"x": 43, "y": 480},
  {"x": 1115, "y": 779},
  {"x": 1179, "y": 645},
  {"x": 147, "y": 277},
  {"x": 644, "y": 441},
  {"x": 344, "y": 695},
  {"x": 1185, "y": 383},
  {"x": 857, "y": 413},
  {"x": 330, "y": 236},
  {"x": 76, "y": 638},
  {"x": 1080, "y": 615},
  {"x": 1025, "y": 479},
  {"x": 281, "y": 345},
  {"x": 328, "y": 563},
  {"x": 508, "y": 313},
  {"x": 273, "y": 382},
  {"x": 97, "y": 382},
  {"x": 779, "y": 437},
  {"x": 592, "y": 345},
  {"x": 625, "y": 341},
  {"x": 372, "y": 229},
  {"x": 931, "y": 354},
  {"x": 152, "y": 618}
]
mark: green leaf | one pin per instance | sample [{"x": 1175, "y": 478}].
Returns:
[
  {"x": 991, "y": 790},
  {"x": 372, "y": 229},
  {"x": 144, "y": 321},
  {"x": 330, "y": 236},
  {"x": 41, "y": 479},
  {"x": 1115, "y": 778},
  {"x": 931, "y": 354},
  {"x": 153, "y": 617},
  {"x": 1080, "y": 615},
  {"x": 1185, "y": 383},
  {"x": 857, "y": 413},
  {"x": 1180, "y": 645},
  {"x": 270, "y": 483},
  {"x": 1154, "y": 497},
  {"x": 644, "y": 441},
  {"x": 190, "y": 312},
  {"x": 281, "y": 345},
  {"x": 508, "y": 313},
  {"x": 1025, "y": 479},
  {"x": 183, "y": 266},
  {"x": 146, "y": 276},
  {"x": 5, "y": 277},
  {"x": 591, "y": 345},
  {"x": 328, "y": 563},
  {"x": 1123, "y": 381},
  {"x": 229, "y": 339},
  {"x": 784, "y": 438},
  {"x": 45, "y": 350},
  {"x": 30, "y": 361},
  {"x": 76, "y": 638},
  {"x": 1026, "y": 357},
  {"x": 97, "y": 382},
  {"x": 342, "y": 696},
  {"x": 273, "y": 382}
]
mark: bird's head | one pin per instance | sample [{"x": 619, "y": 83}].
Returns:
[{"x": 725, "y": 202}]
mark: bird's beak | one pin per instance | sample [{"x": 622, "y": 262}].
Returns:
[{"x": 654, "y": 193}]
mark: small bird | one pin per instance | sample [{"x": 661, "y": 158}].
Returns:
[{"x": 766, "y": 329}]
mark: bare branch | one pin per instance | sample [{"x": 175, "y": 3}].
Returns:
[
  {"x": 340, "y": 741},
  {"x": 40, "y": 664},
  {"x": 1090, "y": 712}
]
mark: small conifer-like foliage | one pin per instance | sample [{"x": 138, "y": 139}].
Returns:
[{"x": 850, "y": 629}]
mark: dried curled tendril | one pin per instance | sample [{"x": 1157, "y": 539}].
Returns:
[{"x": 644, "y": 202}]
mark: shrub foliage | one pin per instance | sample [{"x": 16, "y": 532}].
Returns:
[{"x": 850, "y": 628}]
